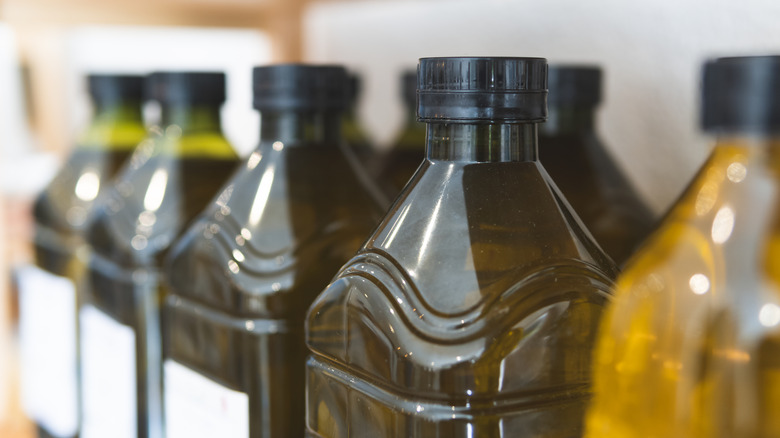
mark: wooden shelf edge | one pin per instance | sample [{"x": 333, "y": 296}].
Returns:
[{"x": 141, "y": 12}]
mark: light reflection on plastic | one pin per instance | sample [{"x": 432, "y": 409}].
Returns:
[
  {"x": 699, "y": 284},
  {"x": 706, "y": 198},
  {"x": 396, "y": 226},
  {"x": 261, "y": 197},
  {"x": 723, "y": 225},
  {"x": 769, "y": 315},
  {"x": 254, "y": 160},
  {"x": 173, "y": 131},
  {"x": 156, "y": 192},
  {"x": 278, "y": 146},
  {"x": 138, "y": 242},
  {"x": 88, "y": 186},
  {"x": 432, "y": 221},
  {"x": 736, "y": 172}
]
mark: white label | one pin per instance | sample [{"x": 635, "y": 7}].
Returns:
[
  {"x": 47, "y": 338},
  {"x": 108, "y": 376},
  {"x": 198, "y": 407}
]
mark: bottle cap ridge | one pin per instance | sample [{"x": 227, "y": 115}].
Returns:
[
  {"x": 300, "y": 87},
  {"x": 112, "y": 88},
  {"x": 186, "y": 87},
  {"x": 741, "y": 94},
  {"x": 482, "y": 89}
]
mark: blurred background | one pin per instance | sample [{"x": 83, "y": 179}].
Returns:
[{"x": 651, "y": 52}]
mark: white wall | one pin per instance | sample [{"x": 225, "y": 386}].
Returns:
[{"x": 651, "y": 50}]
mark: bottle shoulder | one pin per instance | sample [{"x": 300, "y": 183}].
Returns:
[
  {"x": 207, "y": 144},
  {"x": 69, "y": 201},
  {"x": 276, "y": 234},
  {"x": 116, "y": 135},
  {"x": 469, "y": 224},
  {"x": 599, "y": 192},
  {"x": 153, "y": 197}
]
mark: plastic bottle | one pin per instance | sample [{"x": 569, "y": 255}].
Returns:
[
  {"x": 472, "y": 308},
  {"x": 171, "y": 177},
  {"x": 691, "y": 345},
  {"x": 581, "y": 166},
  {"x": 47, "y": 290},
  {"x": 243, "y": 276}
]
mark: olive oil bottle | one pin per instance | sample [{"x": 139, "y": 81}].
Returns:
[
  {"x": 243, "y": 276},
  {"x": 171, "y": 177},
  {"x": 352, "y": 131},
  {"x": 408, "y": 150},
  {"x": 577, "y": 160},
  {"x": 47, "y": 291},
  {"x": 472, "y": 308},
  {"x": 690, "y": 347}
]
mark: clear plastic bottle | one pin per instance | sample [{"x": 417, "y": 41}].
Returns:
[
  {"x": 571, "y": 150},
  {"x": 171, "y": 177},
  {"x": 408, "y": 150},
  {"x": 472, "y": 308},
  {"x": 690, "y": 347},
  {"x": 47, "y": 291},
  {"x": 243, "y": 276}
]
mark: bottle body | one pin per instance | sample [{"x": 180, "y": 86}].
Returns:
[
  {"x": 48, "y": 289},
  {"x": 172, "y": 176},
  {"x": 428, "y": 330},
  {"x": 689, "y": 346},
  {"x": 244, "y": 275},
  {"x": 592, "y": 182}
]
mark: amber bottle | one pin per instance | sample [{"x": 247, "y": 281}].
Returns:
[
  {"x": 472, "y": 309},
  {"x": 243, "y": 276},
  {"x": 581, "y": 166},
  {"x": 171, "y": 177},
  {"x": 690, "y": 347},
  {"x": 47, "y": 291},
  {"x": 399, "y": 163}
]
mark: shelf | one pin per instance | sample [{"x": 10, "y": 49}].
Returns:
[{"x": 42, "y": 25}]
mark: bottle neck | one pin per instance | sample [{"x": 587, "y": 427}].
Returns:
[
  {"x": 569, "y": 120},
  {"x": 493, "y": 142},
  {"x": 192, "y": 118},
  {"x": 301, "y": 127},
  {"x": 116, "y": 125},
  {"x": 411, "y": 116},
  {"x": 123, "y": 111}
]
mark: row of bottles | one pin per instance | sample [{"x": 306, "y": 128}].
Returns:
[{"x": 470, "y": 307}]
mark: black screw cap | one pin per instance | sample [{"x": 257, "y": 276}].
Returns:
[
  {"x": 300, "y": 87},
  {"x": 189, "y": 88},
  {"x": 482, "y": 90},
  {"x": 741, "y": 94},
  {"x": 105, "y": 88}
]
